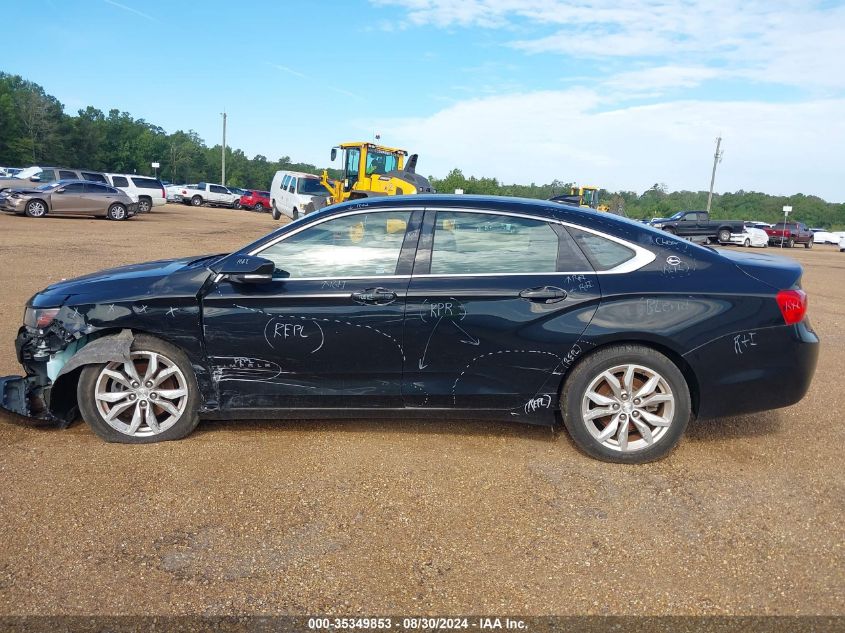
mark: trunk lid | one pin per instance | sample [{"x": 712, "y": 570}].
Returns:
[{"x": 780, "y": 273}]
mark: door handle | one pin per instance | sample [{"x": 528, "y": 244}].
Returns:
[
  {"x": 374, "y": 296},
  {"x": 546, "y": 294}
]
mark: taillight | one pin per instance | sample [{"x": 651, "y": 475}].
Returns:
[
  {"x": 163, "y": 193},
  {"x": 793, "y": 305}
]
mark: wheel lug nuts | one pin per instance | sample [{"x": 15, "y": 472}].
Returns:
[
  {"x": 131, "y": 396},
  {"x": 637, "y": 400},
  {"x": 143, "y": 403},
  {"x": 636, "y": 414},
  {"x": 148, "y": 384},
  {"x": 615, "y": 406},
  {"x": 623, "y": 417},
  {"x": 624, "y": 396},
  {"x": 153, "y": 396},
  {"x": 135, "y": 385}
]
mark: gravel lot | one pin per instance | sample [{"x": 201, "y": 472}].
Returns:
[{"x": 398, "y": 517}]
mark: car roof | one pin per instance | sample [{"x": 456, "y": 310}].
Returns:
[{"x": 297, "y": 173}]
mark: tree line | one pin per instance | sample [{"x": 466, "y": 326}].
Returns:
[{"x": 34, "y": 129}]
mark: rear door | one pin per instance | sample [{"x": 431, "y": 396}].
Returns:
[{"x": 496, "y": 306}]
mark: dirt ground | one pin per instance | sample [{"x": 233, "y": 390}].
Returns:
[{"x": 399, "y": 517}]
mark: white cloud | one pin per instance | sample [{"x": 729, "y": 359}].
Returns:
[{"x": 540, "y": 136}]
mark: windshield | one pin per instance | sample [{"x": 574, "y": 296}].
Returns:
[
  {"x": 311, "y": 187},
  {"x": 381, "y": 162},
  {"x": 678, "y": 215},
  {"x": 26, "y": 173}
]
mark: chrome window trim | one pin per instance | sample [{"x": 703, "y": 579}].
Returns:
[{"x": 642, "y": 256}]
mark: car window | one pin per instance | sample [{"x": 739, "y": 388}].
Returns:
[
  {"x": 146, "y": 183},
  {"x": 218, "y": 189},
  {"x": 358, "y": 245},
  {"x": 92, "y": 187},
  {"x": 87, "y": 175},
  {"x": 292, "y": 185},
  {"x": 120, "y": 181},
  {"x": 472, "y": 243},
  {"x": 47, "y": 175},
  {"x": 68, "y": 175},
  {"x": 603, "y": 253},
  {"x": 74, "y": 187},
  {"x": 285, "y": 182}
]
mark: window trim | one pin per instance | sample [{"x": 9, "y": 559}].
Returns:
[{"x": 642, "y": 256}]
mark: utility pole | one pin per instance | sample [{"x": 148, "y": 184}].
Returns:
[
  {"x": 223, "y": 161},
  {"x": 717, "y": 158}
]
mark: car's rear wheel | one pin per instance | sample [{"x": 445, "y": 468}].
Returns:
[
  {"x": 36, "y": 209},
  {"x": 295, "y": 213},
  {"x": 196, "y": 201},
  {"x": 144, "y": 205},
  {"x": 724, "y": 236},
  {"x": 627, "y": 404},
  {"x": 258, "y": 207},
  {"x": 746, "y": 243},
  {"x": 116, "y": 212},
  {"x": 150, "y": 399},
  {"x": 809, "y": 244}
]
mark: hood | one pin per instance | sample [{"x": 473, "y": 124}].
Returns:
[
  {"x": 779, "y": 272},
  {"x": 159, "y": 278}
]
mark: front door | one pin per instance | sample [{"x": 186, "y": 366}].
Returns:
[
  {"x": 70, "y": 199},
  {"x": 496, "y": 306},
  {"x": 327, "y": 331}
]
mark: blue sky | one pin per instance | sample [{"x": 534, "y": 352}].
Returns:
[{"x": 620, "y": 94}]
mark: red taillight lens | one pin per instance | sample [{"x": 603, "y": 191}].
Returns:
[
  {"x": 793, "y": 305},
  {"x": 40, "y": 318}
]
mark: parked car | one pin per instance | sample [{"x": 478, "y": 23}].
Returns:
[
  {"x": 75, "y": 197},
  {"x": 10, "y": 172},
  {"x": 210, "y": 194},
  {"x": 146, "y": 191},
  {"x": 174, "y": 192},
  {"x": 699, "y": 224},
  {"x": 294, "y": 193},
  {"x": 34, "y": 176},
  {"x": 789, "y": 234},
  {"x": 842, "y": 244},
  {"x": 238, "y": 191},
  {"x": 256, "y": 200},
  {"x": 461, "y": 306},
  {"x": 750, "y": 236},
  {"x": 758, "y": 225},
  {"x": 825, "y": 237}
]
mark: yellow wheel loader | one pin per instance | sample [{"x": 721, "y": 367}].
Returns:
[
  {"x": 374, "y": 170},
  {"x": 586, "y": 196}
]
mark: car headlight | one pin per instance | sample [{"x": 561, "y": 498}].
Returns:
[{"x": 39, "y": 318}]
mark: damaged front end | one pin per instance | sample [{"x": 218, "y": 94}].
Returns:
[{"x": 51, "y": 346}]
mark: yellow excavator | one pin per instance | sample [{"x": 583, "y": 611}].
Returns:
[
  {"x": 374, "y": 170},
  {"x": 586, "y": 196}
]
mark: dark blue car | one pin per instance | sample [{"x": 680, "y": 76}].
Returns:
[{"x": 462, "y": 306}]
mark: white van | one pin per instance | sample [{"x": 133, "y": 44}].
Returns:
[
  {"x": 148, "y": 192},
  {"x": 295, "y": 193}
]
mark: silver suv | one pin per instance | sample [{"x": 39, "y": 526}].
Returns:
[{"x": 52, "y": 174}]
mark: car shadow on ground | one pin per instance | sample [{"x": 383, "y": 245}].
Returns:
[
  {"x": 754, "y": 425},
  {"x": 462, "y": 427}
]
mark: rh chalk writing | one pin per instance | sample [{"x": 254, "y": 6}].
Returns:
[{"x": 744, "y": 341}]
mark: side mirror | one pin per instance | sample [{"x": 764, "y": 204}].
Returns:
[
  {"x": 334, "y": 153},
  {"x": 35, "y": 178},
  {"x": 247, "y": 269},
  {"x": 60, "y": 190}
]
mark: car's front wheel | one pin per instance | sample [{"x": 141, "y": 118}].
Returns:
[
  {"x": 36, "y": 209},
  {"x": 626, "y": 404},
  {"x": 724, "y": 236},
  {"x": 152, "y": 398},
  {"x": 196, "y": 201},
  {"x": 808, "y": 244},
  {"x": 116, "y": 212}
]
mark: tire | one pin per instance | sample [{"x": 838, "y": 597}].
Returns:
[
  {"x": 94, "y": 380},
  {"x": 790, "y": 243},
  {"x": 36, "y": 208},
  {"x": 196, "y": 201},
  {"x": 117, "y": 212},
  {"x": 673, "y": 408},
  {"x": 295, "y": 213},
  {"x": 809, "y": 244},
  {"x": 724, "y": 236},
  {"x": 145, "y": 205},
  {"x": 275, "y": 212},
  {"x": 746, "y": 243},
  {"x": 258, "y": 207},
  {"x": 236, "y": 204}
]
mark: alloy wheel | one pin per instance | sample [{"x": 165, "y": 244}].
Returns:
[
  {"x": 628, "y": 407},
  {"x": 143, "y": 397},
  {"x": 36, "y": 209}
]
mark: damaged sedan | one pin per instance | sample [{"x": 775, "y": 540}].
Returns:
[{"x": 435, "y": 306}]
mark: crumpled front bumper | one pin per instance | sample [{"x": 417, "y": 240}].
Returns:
[{"x": 19, "y": 399}]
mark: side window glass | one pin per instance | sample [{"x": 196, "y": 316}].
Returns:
[
  {"x": 93, "y": 177},
  {"x": 285, "y": 181},
  {"x": 66, "y": 175},
  {"x": 292, "y": 185},
  {"x": 91, "y": 187},
  {"x": 48, "y": 175},
  {"x": 604, "y": 254},
  {"x": 120, "y": 181},
  {"x": 359, "y": 245},
  {"x": 74, "y": 187},
  {"x": 473, "y": 243}
]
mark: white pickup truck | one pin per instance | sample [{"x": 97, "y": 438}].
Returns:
[{"x": 207, "y": 193}]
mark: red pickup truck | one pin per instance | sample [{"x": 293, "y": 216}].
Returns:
[{"x": 789, "y": 234}]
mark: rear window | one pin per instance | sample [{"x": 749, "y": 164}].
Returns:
[
  {"x": 604, "y": 254},
  {"x": 147, "y": 183},
  {"x": 87, "y": 175}
]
